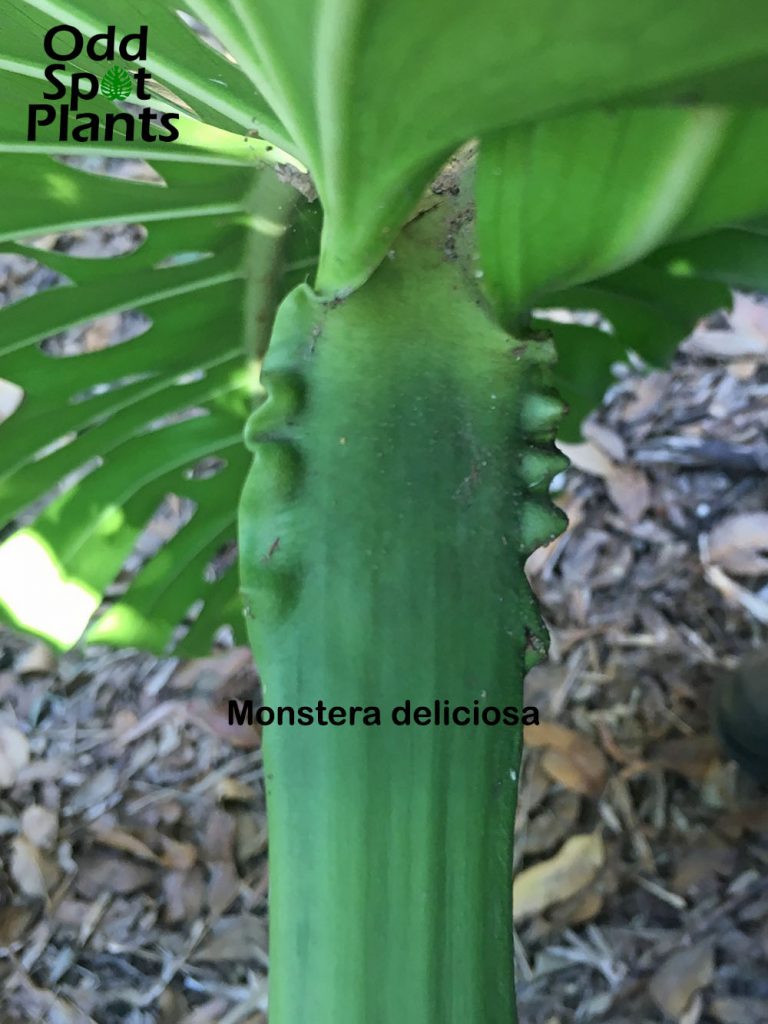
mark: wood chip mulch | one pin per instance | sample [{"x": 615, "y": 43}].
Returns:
[{"x": 652, "y": 845}]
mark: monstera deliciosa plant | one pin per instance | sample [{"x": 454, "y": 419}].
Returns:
[{"x": 478, "y": 167}]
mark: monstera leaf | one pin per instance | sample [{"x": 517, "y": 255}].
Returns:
[
  {"x": 574, "y": 198},
  {"x": 160, "y": 415},
  {"x": 116, "y": 84},
  {"x": 578, "y": 212}
]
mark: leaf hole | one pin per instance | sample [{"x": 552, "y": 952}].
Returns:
[
  {"x": 171, "y": 419},
  {"x": 206, "y": 468},
  {"x": 190, "y": 377},
  {"x": 66, "y": 483},
  {"x": 171, "y": 516},
  {"x": 167, "y": 94},
  {"x": 124, "y": 168},
  {"x": 11, "y": 397},
  {"x": 221, "y": 562},
  {"x": 23, "y": 276},
  {"x": 53, "y": 446},
  {"x": 205, "y": 35},
  {"x": 95, "y": 335},
  {"x": 224, "y": 637},
  {"x": 180, "y": 259},
  {"x": 105, "y": 387},
  {"x": 99, "y": 243},
  {"x": 582, "y": 317},
  {"x": 188, "y": 620}
]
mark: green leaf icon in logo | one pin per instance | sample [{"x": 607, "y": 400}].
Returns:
[{"x": 116, "y": 83}]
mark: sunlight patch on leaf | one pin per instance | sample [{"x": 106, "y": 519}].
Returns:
[
  {"x": 264, "y": 226},
  {"x": 680, "y": 268},
  {"x": 38, "y": 596},
  {"x": 122, "y": 620},
  {"x": 61, "y": 188}
]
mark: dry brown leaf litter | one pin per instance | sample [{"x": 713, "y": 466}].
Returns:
[
  {"x": 660, "y": 583},
  {"x": 134, "y": 842}
]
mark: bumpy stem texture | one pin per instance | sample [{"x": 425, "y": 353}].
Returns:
[{"x": 400, "y": 471}]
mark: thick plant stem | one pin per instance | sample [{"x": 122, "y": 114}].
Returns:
[{"x": 384, "y": 526}]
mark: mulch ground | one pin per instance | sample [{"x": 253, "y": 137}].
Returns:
[
  {"x": 655, "y": 591},
  {"x": 134, "y": 846}
]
